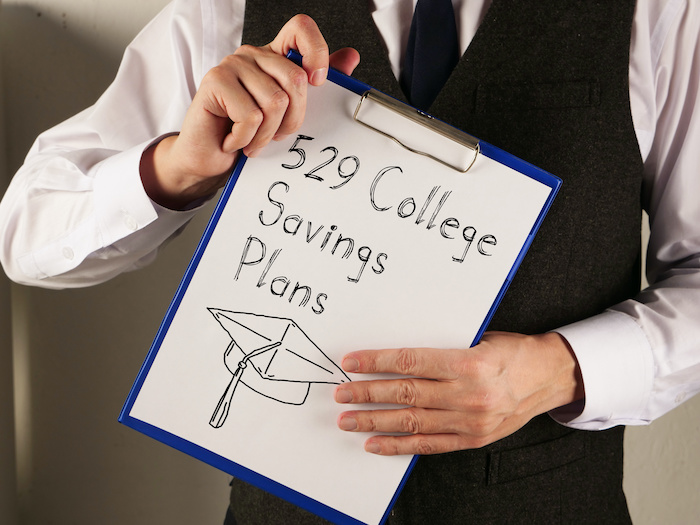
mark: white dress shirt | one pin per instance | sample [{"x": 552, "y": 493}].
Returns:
[{"x": 76, "y": 213}]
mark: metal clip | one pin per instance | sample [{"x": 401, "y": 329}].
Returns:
[{"x": 447, "y": 135}]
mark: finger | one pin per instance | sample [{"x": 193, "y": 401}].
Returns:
[
  {"x": 404, "y": 420},
  {"x": 220, "y": 101},
  {"x": 441, "y": 442},
  {"x": 287, "y": 94},
  {"x": 302, "y": 33},
  {"x": 207, "y": 134},
  {"x": 247, "y": 119},
  {"x": 261, "y": 93},
  {"x": 420, "y": 444},
  {"x": 408, "y": 392},
  {"x": 431, "y": 363},
  {"x": 295, "y": 85},
  {"x": 345, "y": 60},
  {"x": 280, "y": 99}
]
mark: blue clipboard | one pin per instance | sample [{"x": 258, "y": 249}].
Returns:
[{"x": 472, "y": 148}]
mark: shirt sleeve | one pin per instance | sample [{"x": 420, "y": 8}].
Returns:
[
  {"x": 76, "y": 213},
  {"x": 641, "y": 358}
]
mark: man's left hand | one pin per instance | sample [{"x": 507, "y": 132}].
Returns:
[{"x": 458, "y": 399}]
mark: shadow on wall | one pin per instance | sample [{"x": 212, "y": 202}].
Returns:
[{"x": 80, "y": 350}]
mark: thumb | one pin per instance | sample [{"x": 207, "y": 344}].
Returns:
[{"x": 302, "y": 33}]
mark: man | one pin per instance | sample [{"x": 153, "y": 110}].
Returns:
[{"x": 548, "y": 82}]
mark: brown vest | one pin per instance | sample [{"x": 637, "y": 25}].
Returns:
[{"x": 546, "y": 80}]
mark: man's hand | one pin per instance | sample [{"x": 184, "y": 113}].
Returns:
[
  {"x": 252, "y": 97},
  {"x": 459, "y": 399}
]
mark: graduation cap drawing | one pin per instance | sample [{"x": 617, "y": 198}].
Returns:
[{"x": 285, "y": 360}]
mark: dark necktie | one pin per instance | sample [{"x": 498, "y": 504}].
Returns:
[{"x": 432, "y": 52}]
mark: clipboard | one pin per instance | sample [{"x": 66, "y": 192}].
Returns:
[{"x": 366, "y": 229}]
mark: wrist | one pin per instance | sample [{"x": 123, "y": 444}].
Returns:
[
  {"x": 168, "y": 182},
  {"x": 567, "y": 381}
]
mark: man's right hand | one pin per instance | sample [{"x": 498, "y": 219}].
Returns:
[{"x": 254, "y": 96}]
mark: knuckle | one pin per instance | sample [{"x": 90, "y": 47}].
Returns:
[
  {"x": 290, "y": 125},
  {"x": 481, "y": 428},
  {"x": 407, "y": 361},
  {"x": 483, "y": 402},
  {"x": 245, "y": 49},
  {"x": 472, "y": 366},
  {"x": 279, "y": 101},
  {"x": 478, "y": 442},
  {"x": 229, "y": 63},
  {"x": 424, "y": 447},
  {"x": 304, "y": 23},
  {"x": 225, "y": 73},
  {"x": 407, "y": 394},
  {"x": 365, "y": 394},
  {"x": 458, "y": 367},
  {"x": 297, "y": 78},
  {"x": 368, "y": 364},
  {"x": 370, "y": 424},
  {"x": 215, "y": 75},
  {"x": 254, "y": 117},
  {"x": 392, "y": 448},
  {"x": 410, "y": 422}
]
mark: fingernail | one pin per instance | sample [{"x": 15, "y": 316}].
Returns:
[
  {"x": 343, "y": 396},
  {"x": 351, "y": 365},
  {"x": 372, "y": 447},
  {"x": 318, "y": 76},
  {"x": 253, "y": 153},
  {"x": 347, "y": 423},
  {"x": 280, "y": 136}
]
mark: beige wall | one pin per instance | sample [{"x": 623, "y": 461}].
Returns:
[
  {"x": 8, "y": 480},
  {"x": 77, "y": 352}
]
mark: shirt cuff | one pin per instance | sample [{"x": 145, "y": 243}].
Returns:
[
  {"x": 616, "y": 363},
  {"x": 121, "y": 204},
  {"x": 123, "y": 216}
]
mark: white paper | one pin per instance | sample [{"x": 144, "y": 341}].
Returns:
[{"x": 438, "y": 246}]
